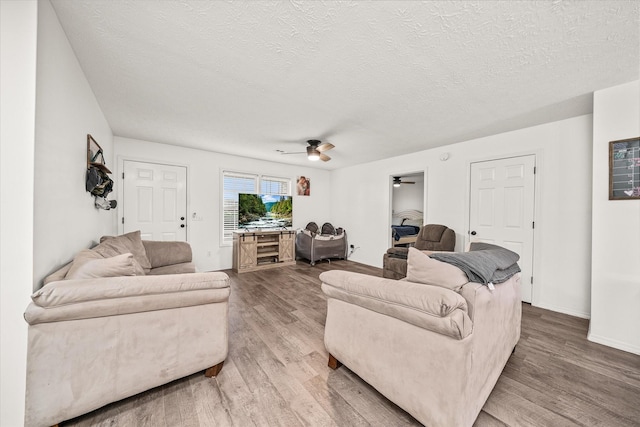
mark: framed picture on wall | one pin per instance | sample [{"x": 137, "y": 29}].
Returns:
[
  {"x": 303, "y": 186},
  {"x": 624, "y": 169}
]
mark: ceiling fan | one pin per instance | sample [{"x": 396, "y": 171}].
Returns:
[
  {"x": 315, "y": 150},
  {"x": 397, "y": 181}
]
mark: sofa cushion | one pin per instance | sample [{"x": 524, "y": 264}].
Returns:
[
  {"x": 89, "y": 264},
  {"x": 181, "y": 268},
  {"x": 59, "y": 274},
  {"x": 130, "y": 242},
  {"x": 162, "y": 253},
  {"x": 423, "y": 269}
]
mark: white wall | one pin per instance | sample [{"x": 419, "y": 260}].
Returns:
[
  {"x": 204, "y": 192},
  {"x": 18, "y": 28},
  {"x": 615, "y": 274},
  {"x": 65, "y": 219},
  {"x": 562, "y": 249}
]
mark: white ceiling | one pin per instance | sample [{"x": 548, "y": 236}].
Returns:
[{"x": 376, "y": 79}]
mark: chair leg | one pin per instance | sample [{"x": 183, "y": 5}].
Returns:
[
  {"x": 333, "y": 362},
  {"x": 214, "y": 370}
]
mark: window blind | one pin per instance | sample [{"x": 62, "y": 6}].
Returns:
[
  {"x": 273, "y": 185},
  {"x": 234, "y": 183}
]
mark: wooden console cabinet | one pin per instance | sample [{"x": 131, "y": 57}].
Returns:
[{"x": 256, "y": 250}]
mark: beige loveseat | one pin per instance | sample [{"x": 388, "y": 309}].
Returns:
[
  {"x": 94, "y": 340},
  {"x": 434, "y": 343}
]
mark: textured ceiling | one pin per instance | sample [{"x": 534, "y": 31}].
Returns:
[{"x": 376, "y": 79}]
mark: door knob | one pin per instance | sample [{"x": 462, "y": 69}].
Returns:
[
  {"x": 181, "y": 225},
  {"x": 181, "y": 218},
  {"x": 473, "y": 233}
]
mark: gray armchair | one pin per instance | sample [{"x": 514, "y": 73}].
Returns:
[
  {"x": 432, "y": 237},
  {"x": 317, "y": 244}
]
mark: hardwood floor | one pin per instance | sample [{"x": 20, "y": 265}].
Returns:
[{"x": 276, "y": 373}]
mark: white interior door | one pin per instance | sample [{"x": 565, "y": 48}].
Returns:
[
  {"x": 502, "y": 209},
  {"x": 155, "y": 200}
]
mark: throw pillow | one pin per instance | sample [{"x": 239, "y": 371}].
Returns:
[
  {"x": 89, "y": 265},
  {"x": 423, "y": 269},
  {"x": 130, "y": 242}
]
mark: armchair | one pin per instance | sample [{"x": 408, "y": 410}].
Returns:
[
  {"x": 432, "y": 237},
  {"x": 326, "y": 244}
]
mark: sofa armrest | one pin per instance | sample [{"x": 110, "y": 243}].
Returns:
[
  {"x": 398, "y": 252},
  {"x": 430, "y": 307},
  {"x": 89, "y": 298}
]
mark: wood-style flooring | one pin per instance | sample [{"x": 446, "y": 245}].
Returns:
[{"x": 276, "y": 373}]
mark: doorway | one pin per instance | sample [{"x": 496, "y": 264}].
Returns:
[
  {"x": 407, "y": 206},
  {"x": 155, "y": 200},
  {"x": 501, "y": 209}
]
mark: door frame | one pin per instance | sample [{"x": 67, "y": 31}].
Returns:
[
  {"x": 390, "y": 199},
  {"x": 539, "y": 226},
  {"x": 120, "y": 188}
]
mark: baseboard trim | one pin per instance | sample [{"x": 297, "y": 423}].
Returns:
[
  {"x": 564, "y": 310},
  {"x": 613, "y": 343}
]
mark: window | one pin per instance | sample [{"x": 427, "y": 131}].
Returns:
[{"x": 234, "y": 183}]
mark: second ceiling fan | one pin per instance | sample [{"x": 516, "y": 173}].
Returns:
[{"x": 398, "y": 180}]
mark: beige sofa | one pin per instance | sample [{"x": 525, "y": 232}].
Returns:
[
  {"x": 96, "y": 340},
  {"x": 435, "y": 346}
]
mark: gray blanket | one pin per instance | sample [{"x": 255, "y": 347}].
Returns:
[{"x": 483, "y": 263}]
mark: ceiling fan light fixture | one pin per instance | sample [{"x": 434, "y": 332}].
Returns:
[{"x": 313, "y": 154}]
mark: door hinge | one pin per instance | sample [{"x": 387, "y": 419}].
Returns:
[
  {"x": 534, "y": 170},
  {"x": 123, "y": 220},
  {"x": 532, "y": 280},
  {"x": 122, "y": 175},
  {"x": 533, "y": 224}
]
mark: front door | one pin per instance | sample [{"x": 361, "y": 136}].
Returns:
[
  {"x": 155, "y": 200},
  {"x": 502, "y": 209}
]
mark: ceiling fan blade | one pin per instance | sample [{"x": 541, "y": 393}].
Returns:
[
  {"x": 325, "y": 146},
  {"x": 293, "y": 152},
  {"x": 324, "y": 157},
  {"x": 407, "y": 182}
]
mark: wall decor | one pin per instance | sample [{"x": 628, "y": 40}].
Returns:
[
  {"x": 97, "y": 181},
  {"x": 303, "y": 186},
  {"x": 624, "y": 169},
  {"x": 95, "y": 156}
]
